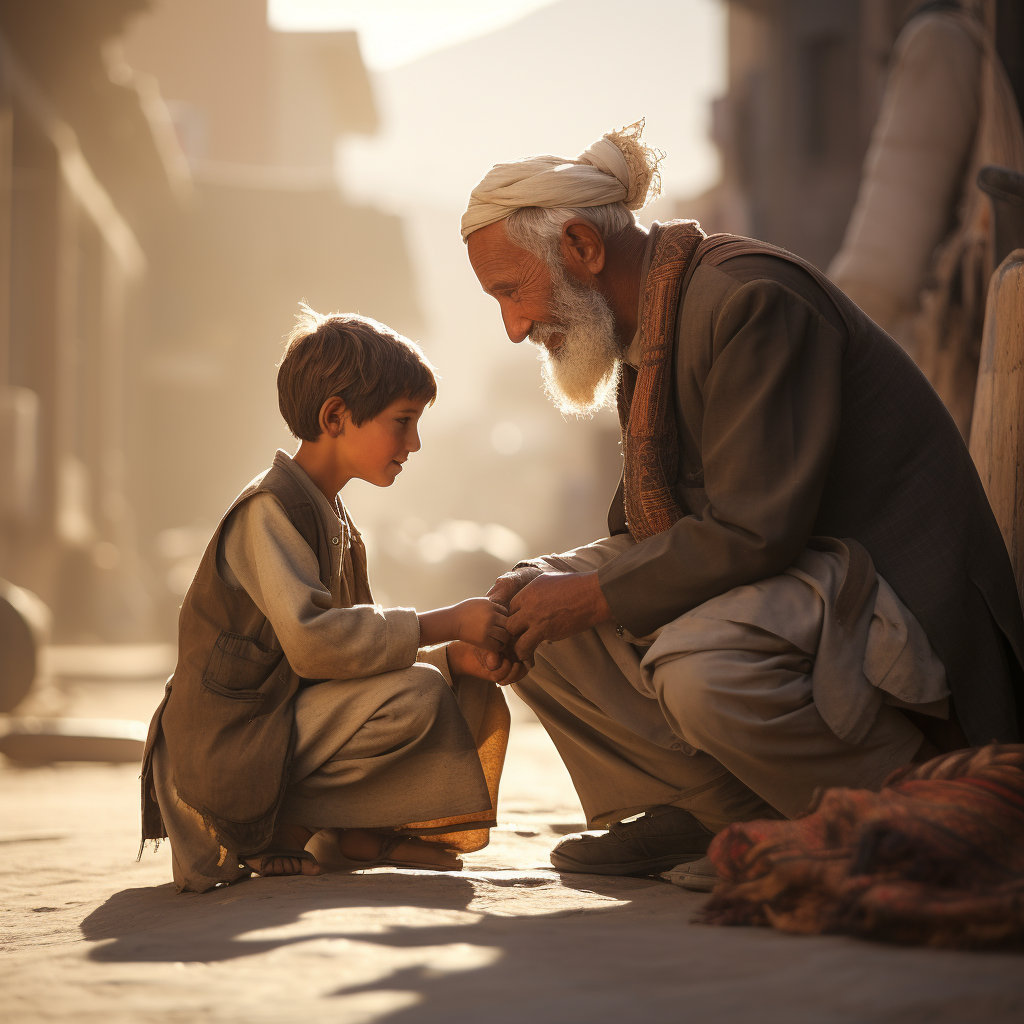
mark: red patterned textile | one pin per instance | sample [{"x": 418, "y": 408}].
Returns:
[{"x": 936, "y": 858}]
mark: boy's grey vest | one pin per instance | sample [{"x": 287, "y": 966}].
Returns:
[{"x": 229, "y": 711}]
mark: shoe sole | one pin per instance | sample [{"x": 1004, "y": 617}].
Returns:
[
  {"x": 707, "y": 885},
  {"x": 637, "y": 867},
  {"x": 693, "y": 883}
]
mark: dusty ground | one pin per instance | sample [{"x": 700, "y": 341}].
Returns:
[{"x": 90, "y": 935}]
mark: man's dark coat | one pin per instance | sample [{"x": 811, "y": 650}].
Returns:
[{"x": 798, "y": 416}]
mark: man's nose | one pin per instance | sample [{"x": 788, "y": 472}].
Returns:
[
  {"x": 517, "y": 327},
  {"x": 412, "y": 441}
]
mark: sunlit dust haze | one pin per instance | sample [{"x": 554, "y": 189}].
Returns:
[
  {"x": 224, "y": 160},
  {"x": 458, "y": 90}
]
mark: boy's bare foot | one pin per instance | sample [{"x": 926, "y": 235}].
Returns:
[
  {"x": 359, "y": 846},
  {"x": 287, "y": 837}
]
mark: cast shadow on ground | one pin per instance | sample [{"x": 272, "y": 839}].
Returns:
[
  {"x": 641, "y": 959},
  {"x": 609, "y": 949},
  {"x": 154, "y": 924},
  {"x": 459, "y": 940}
]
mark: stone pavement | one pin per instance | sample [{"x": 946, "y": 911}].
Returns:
[{"x": 89, "y": 935}]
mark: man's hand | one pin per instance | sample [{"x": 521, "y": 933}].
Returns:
[
  {"x": 464, "y": 659},
  {"x": 555, "y": 605},
  {"x": 510, "y": 583}
]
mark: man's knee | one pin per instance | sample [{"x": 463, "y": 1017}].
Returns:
[
  {"x": 706, "y": 695},
  {"x": 686, "y": 694}
]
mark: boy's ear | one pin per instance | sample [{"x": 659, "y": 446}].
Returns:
[{"x": 333, "y": 416}]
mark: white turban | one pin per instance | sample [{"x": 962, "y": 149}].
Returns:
[{"x": 617, "y": 168}]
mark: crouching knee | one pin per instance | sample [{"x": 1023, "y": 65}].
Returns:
[
  {"x": 689, "y": 698},
  {"x": 417, "y": 699}
]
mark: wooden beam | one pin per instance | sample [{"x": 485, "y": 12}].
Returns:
[{"x": 997, "y": 429}]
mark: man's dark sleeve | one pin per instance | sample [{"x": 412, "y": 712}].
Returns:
[{"x": 771, "y": 417}]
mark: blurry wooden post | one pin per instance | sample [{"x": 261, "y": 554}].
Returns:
[
  {"x": 6, "y": 195},
  {"x": 997, "y": 429}
]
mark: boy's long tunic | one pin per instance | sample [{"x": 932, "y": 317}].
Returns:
[{"x": 295, "y": 699}]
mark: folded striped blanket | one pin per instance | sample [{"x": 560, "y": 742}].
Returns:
[{"x": 936, "y": 858}]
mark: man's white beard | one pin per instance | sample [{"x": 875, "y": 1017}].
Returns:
[{"x": 580, "y": 376}]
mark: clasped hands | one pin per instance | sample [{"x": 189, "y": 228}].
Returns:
[{"x": 538, "y": 606}]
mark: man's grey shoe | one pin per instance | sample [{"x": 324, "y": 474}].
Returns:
[
  {"x": 695, "y": 875},
  {"x": 656, "y": 841}
]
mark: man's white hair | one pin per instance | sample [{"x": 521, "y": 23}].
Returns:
[{"x": 538, "y": 230}]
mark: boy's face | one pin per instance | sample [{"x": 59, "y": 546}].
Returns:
[{"x": 376, "y": 450}]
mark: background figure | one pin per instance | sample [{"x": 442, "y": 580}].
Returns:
[{"x": 918, "y": 250}]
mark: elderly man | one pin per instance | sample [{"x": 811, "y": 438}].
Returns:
[{"x": 803, "y": 583}]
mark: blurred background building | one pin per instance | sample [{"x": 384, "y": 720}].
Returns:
[
  {"x": 155, "y": 252},
  {"x": 176, "y": 175},
  {"x": 805, "y": 85},
  {"x": 86, "y": 162}
]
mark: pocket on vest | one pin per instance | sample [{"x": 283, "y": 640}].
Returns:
[{"x": 239, "y": 667}]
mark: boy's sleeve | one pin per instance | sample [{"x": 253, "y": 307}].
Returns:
[{"x": 275, "y": 566}]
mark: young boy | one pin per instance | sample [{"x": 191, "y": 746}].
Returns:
[{"x": 299, "y": 710}]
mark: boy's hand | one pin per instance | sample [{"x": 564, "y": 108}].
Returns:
[
  {"x": 478, "y": 621},
  {"x": 481, "y": 622},
  {"x": 464, "y": 659}
]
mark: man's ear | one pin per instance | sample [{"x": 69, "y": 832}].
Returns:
[
  {"x": 582, "y": 248},
  {"x": 333, "y": 416}
]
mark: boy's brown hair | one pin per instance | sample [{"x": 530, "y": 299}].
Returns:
[{"x": 362, "y": 361}]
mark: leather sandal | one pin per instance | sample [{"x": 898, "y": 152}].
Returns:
[
  {"x": 268, "y": 855},
  {"x": 325, "y": 847}
]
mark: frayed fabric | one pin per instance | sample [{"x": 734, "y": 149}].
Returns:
[{"x": 935, "y": 859}]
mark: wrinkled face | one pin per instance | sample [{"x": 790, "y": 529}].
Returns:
[
  {"x": 571, "y": 324},
  {"x": 376, "y": 450},
  {"x": 518, "y": 280}
]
